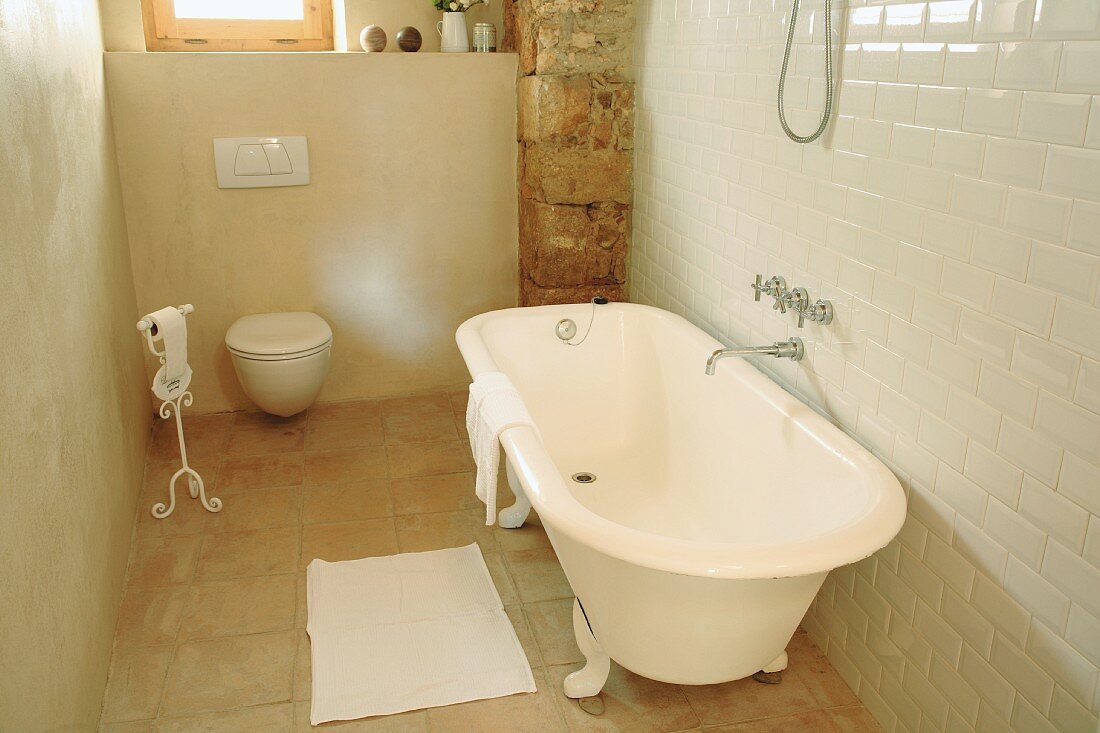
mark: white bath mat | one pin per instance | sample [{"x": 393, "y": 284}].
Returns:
[{"x": 404, "y": 632}]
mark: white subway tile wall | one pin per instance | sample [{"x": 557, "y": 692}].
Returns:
[{"x": 952, "y": 213}]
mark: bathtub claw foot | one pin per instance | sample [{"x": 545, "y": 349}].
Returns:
[
  {"x": 778, "y": 664},
  {"x": 514, "y": 516},
  {"x": 768, "y": 678},
  {"x": 587, "y": 682},
  {"x": 772, "y": 674}
]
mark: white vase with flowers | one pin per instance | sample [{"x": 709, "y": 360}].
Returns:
[{"x": 453, "y": 36}]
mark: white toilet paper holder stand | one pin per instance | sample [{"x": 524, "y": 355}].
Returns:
[{"x": 174, "y": 407}]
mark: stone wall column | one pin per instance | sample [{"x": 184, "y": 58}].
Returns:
[{"x": 576, "y": 136}]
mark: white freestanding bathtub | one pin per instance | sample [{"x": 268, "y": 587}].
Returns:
[{"x": 719, "y": 502}]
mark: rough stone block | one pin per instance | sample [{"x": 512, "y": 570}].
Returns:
[
  {"x": 557, "y": 174},
  {"x": 612, "y": 115},
  {"x": 532, "y": 294},
  {"x": 525, "y": 28},
  {"x": 568, "y": 246},
  {"x": 508, "y": 31},
  {"x": 554, "y": 107}
]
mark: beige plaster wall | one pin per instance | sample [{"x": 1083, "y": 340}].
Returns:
[
  {"x": 75, "y": 418},
  {"x": 408, "y": 227}
]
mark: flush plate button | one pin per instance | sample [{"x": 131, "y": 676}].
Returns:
[
  {"x": 259, "y": 162},
  {"x": 278, "y": 159},
  {"x": 251, "y": 161}
]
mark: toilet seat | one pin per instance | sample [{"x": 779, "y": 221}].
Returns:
[
  {"x": 279, "y": 357},
  {"x": 278, "y": 336}
]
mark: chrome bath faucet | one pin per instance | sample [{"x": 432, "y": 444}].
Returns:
[{"x": 792, "y": 349}]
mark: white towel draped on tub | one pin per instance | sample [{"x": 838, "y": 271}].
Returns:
[{"x": 494, "y": 406}]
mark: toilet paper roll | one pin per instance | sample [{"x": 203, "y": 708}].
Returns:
[{"x": 170, "y": 328}]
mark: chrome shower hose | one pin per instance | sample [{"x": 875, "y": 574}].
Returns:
[{"x": 828, "y": 76}]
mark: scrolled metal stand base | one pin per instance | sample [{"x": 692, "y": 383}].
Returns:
[{"x": 195, "y": 485}]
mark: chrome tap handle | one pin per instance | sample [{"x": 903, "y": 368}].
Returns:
[
  {"x": 758, "y": 288},
  {"x": 777, "y": 288},
  {"x": 797, "y": 299},
  {"x": 821, "y": 312}
]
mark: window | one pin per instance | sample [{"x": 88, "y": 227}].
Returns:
[{"x": 237, "y": 25}]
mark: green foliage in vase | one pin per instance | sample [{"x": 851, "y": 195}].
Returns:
[{"x": 457, "y": 6}]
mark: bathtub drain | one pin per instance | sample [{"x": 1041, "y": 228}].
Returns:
[{"x": 584, "y": 477}]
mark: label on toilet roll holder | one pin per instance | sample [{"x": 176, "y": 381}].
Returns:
[{"x": 173, "y": 388}]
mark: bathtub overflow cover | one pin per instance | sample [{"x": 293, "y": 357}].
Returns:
[{"x": 584, "y": 477}]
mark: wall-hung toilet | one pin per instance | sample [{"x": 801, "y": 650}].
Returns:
[{"x": 281, "y": 359}]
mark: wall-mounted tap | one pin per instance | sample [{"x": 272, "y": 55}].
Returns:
[
  {"x": 820, "y": 311},
  {"x": 792, "y": 349},
  {"x": 776, "y": 286},
  {"x": 797, "y": 300}
]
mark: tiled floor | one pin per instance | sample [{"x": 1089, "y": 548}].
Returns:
[{"x": 211, "y": 633}]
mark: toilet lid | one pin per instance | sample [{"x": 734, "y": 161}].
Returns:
[{"x": 278, "y": 333}]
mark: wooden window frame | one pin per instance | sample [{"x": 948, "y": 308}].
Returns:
[{"x": 165, "y": 32}]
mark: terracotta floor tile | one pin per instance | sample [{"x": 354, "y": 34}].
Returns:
[
  {"x": 411, "y": 722},
  {"x": 425, "y": 428},
  {"x": 239, "y": 606},
  {"x": 348, "y": 540},
  {"x": 506, "y": 589},
  {"x": 159, "y": 472},
  {"x": 250, "y": 441},
  {"x": 368, "y": 499},
  {"x": 301, "y": 610},
  {"x": 458, "y": 399},
  {"x": 343, "y": 466},
  {"x": 163, "y": 561},
  {"x": 277, "y": 718},
  {"x": 518, "y": 616},
  {"x": 206, "y": 436},
  {"x": 259, "y": 509},
  {"x": 531, "y": 536},
  {"x": 259, "y": 420},
  {"x": 150, "y": 616},
  {"x": 345, "y": 410},
  {"x": 359, "y": 431},
  {"x": 246, "y": 554},
  {"x": 135, "y": 684},
  {"x": 303, "y": 668},
  {"x": 189, "y": 516},
  {"x": 631, "y": 703},
  {"x": 552, "y": 624},
  {"x": 424, "y": 494},
  {"x": 260, "y": 472},
  {"x": 537, "y": 575},
  {"x": 136, "y": 726},
  {"x": 818, "y": 721},
  {"x": 460, "y": 428},
  {"x": 735, "y": 702},
  {"x": 222, "y": 674},
  {"x": 422, "y": 532},
  {"x": 428, "y": 459},
  {"x": 416, "y": 405},
  {"x": 810, "y": 667},
  {"x": 854, "y": 719},
  {"x": 537, "y": 712}
]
